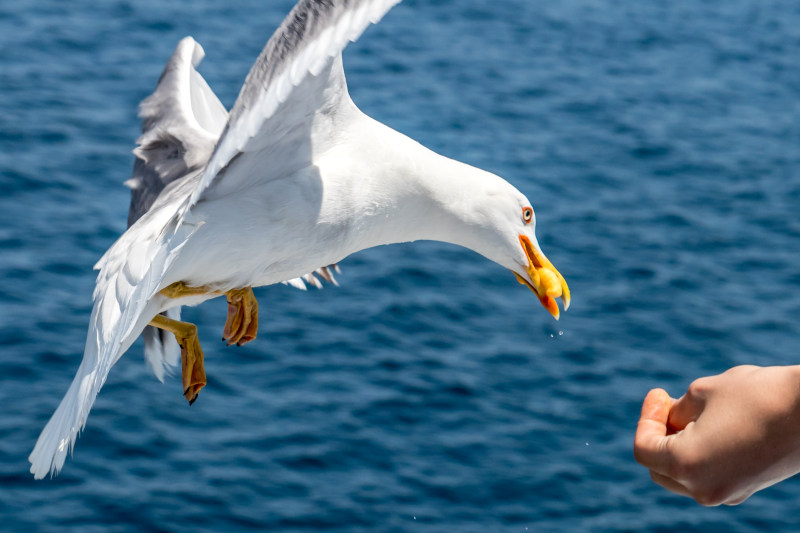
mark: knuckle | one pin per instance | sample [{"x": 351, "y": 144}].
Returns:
[{"x": 699, "y": 387}]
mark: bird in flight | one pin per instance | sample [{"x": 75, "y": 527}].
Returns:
[{"x": 294, "y": 179}]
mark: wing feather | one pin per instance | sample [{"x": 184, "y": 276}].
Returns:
[
  {"x": 123, "y": 304},
  {"x": 314, "y": 33}
]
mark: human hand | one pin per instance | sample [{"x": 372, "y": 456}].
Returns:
[{"x": 729, "y": 436}]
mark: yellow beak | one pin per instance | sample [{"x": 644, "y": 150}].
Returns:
[{"x": 546, "y": 281}]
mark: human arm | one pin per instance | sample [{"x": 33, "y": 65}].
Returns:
[{"x": 729, "y": 436}]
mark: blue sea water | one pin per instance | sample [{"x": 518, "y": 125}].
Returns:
[{"x": 658, "y": 142}]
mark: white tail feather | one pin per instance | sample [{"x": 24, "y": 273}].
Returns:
[{"x": 161, "y": 350}]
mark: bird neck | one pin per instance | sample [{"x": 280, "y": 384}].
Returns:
[{"x": 412, "y": 193}]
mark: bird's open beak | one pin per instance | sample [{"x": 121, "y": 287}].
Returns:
[{"x": 543, "y": 278}]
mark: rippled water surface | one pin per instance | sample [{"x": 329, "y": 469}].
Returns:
[{"x": 658, "y": 142}]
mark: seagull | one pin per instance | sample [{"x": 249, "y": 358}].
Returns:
[{"x": 290, "y": 182}]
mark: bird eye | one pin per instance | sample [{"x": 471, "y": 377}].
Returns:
[{"x": 527, "y": 214}]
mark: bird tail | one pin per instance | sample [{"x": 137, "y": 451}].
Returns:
[{"x": 161, "y": 350}]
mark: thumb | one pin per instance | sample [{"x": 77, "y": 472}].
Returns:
[
  {"x": 649, "y": 445},
  {"x": 656, "y": 407}
]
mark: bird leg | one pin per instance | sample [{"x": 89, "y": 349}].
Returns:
[
  {"x": 181, "y": 290},
  {"x": 242, "y": 323},
  {"x": 240, "y": 327},
  {"x": 193, "y": 373}
]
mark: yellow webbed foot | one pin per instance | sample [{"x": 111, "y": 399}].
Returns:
[
  {"x": 242, "y": 324},
  {"x": 193, "y": 374}
]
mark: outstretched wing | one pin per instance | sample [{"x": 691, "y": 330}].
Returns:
[
  {"x": 296, "y": 77},
  {"x": 181, "y": 123},
  {"x": 125, "y": 300}
]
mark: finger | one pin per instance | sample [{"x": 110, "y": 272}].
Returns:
[
  {"x": 650, "y": 442},
  {"x": 688, "y": 407},
  {"x": 670, "y": 484}
]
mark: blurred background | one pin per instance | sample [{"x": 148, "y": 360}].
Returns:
[{"x": 658, "y": 142}]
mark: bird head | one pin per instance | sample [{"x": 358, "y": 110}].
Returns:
[{"x": 507, "y": 236}]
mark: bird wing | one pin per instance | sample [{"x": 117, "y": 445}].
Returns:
[
  {"x": 297, "y": 76},
  {"x": 124, "y": 302},
  {"x": 181, "y": 123}
]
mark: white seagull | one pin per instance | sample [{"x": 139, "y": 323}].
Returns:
[{"x": 295, "y": 178}]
